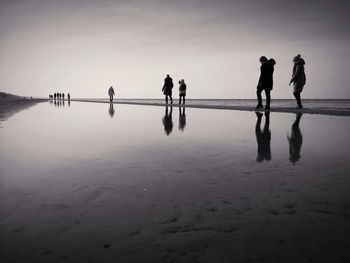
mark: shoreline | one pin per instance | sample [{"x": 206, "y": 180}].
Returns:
[{"x": 318, "y": 111}]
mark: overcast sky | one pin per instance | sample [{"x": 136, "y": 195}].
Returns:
[{"x": 83, "y": 47}]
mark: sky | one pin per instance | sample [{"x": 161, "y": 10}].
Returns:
[{"x": 84, "y": 47}]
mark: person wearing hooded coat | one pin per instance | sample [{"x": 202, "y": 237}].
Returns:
[
  {"x": 265, "y": 82},
  {"x": 167, "y": 88},
  {"x": 298, "y": 79},
  {"x": 110, "y": 93}
]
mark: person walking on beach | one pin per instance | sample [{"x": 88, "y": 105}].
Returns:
[
  {"x": 182, "y": 91},
  {"x": 111, "y": 93},
  {"x": 63, "y": 96},
  {"x": 68, "y": 96},
  {"x": 167, "y": 88},
  {"x": 54, "y": 96},
  {"x": 263, "y": 138},
  {"x": 298, "y": 79},
  {"x": 295, "y": 140},
  {"x": 265, "y": 81}
]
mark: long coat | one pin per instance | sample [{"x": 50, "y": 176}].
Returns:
[
  {"x": 168, "y": 86},
  {"x": 266, "y": 79},
  {"x": 299, "y": 78}
]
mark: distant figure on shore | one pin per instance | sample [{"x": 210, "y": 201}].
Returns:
[
  {"x": 265, "y": 82},
  {"x": 168, "y": 120},
  {"x": 111, "y": 109},
  {"x": 68, "y": 96},
  {"x": 182, "y": 91},
  {"x": 111, "y": 94},
  {"x": 263, "y": 138},
  {"x": 54, "y": 96},
  {"x": 63, "y": 96},
  {"x": 167, "y": 88},
  {"x": 298, "y": 79},
  {"x": 182, "y": 118},
  {"x": 295, "y": 140}
]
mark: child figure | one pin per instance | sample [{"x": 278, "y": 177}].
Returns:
[{"x": 182, "y": 91}]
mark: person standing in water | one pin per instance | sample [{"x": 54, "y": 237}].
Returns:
[
  {"x": 167, "y": 88},
  {"x": 298, "y": 79},
  {"x": 111, "y": 94},
  {"x": 182, "y": 91}
]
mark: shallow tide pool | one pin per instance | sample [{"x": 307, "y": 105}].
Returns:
[{"x": 94, "y": 182}]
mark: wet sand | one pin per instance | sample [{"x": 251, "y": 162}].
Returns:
[
  {"x": 335, "y": 112},
  {"x": 90, "y": 188}
]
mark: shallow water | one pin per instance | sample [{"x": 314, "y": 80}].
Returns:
[{"x": 153, "y": 183}]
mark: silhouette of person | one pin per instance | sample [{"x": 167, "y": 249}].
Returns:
[
  {"x": 295, "y": 140},
  {"x": 54, "y": 96},
  {"x": 68, "y": 96},
  {"x": 168, "y": 121},
  {"x": 182, "y": 91},
  {"x": 167, "y": 88},
  {"x": 265, "y": 82},
  {"x": 111, "y": 109},
  {"x": 182, "y": 118},
  {"x": 298, "y": 79},
  {"x": 263, "y": 138},
  {"x": 111, "y": 93},
  {"x": 63, "y": 96}
]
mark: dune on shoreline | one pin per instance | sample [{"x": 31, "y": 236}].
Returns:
[
  {"x": 11, "y": 104},
  {"x": 322, "y": 111}
]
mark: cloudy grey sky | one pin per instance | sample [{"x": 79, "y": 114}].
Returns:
[{"x": 83, "y": 47}]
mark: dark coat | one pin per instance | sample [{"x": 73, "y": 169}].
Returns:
[
  {"x": 299, "y": 78},
  {"x": 168, "y": 86},
  {"x": 266, "y": 79}
]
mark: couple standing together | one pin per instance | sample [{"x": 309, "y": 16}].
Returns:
[
  {"x": 168, "y": 86},
  {"x": 266, "y": 80}
]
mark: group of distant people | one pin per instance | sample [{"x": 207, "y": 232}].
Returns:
[
  {"x": 59, "y": 96},
  {"x": 265, "y": 82}
]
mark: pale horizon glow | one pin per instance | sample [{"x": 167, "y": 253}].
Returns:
[{"x": 83, "y": 47}]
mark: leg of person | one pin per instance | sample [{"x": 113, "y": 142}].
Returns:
[
  {"x": 258, "y": 94},
  {"x": 268, "y": 99},
  {"x": 166, "y": 99},
  {"x": 171, "y": 99},
  {"x": 297, "y": 97},
  {"x": 183, "y": 99},
  {"x": 180, "y": 99}
]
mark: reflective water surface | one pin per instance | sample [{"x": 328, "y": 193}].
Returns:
[{"x": 162, "y": 183}]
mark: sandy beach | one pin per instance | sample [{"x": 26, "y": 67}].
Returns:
[{"x": 173, "y": 189}]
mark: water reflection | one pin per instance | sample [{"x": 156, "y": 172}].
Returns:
[
  {"x": 168, "y": 121},
  {"x": 295, "y": 140},
  {"x": 263, "y": 137},
  {"x": 111, "y": 109},
  {"x": 182, "y": 118}
]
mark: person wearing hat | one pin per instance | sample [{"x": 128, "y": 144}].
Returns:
[
  {"x": 298, "y": 79},
  {"x": 182, "y": 90}
]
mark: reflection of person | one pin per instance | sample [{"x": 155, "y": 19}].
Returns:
[
  {"x": 263, "y": 138},
  {"x": 110, "y": 93},
  {"x": 167, "y": 88},
  {"x": 182, "y": 118},
  {"x": 295, "y": 140},
  {"x": 265, "y": 82},
  {"x": 111, "y": 109},
  {"x": 182, "y": 91},
  {"x": 168, "y": 121},
  {"x": 298, "y": 78}
]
